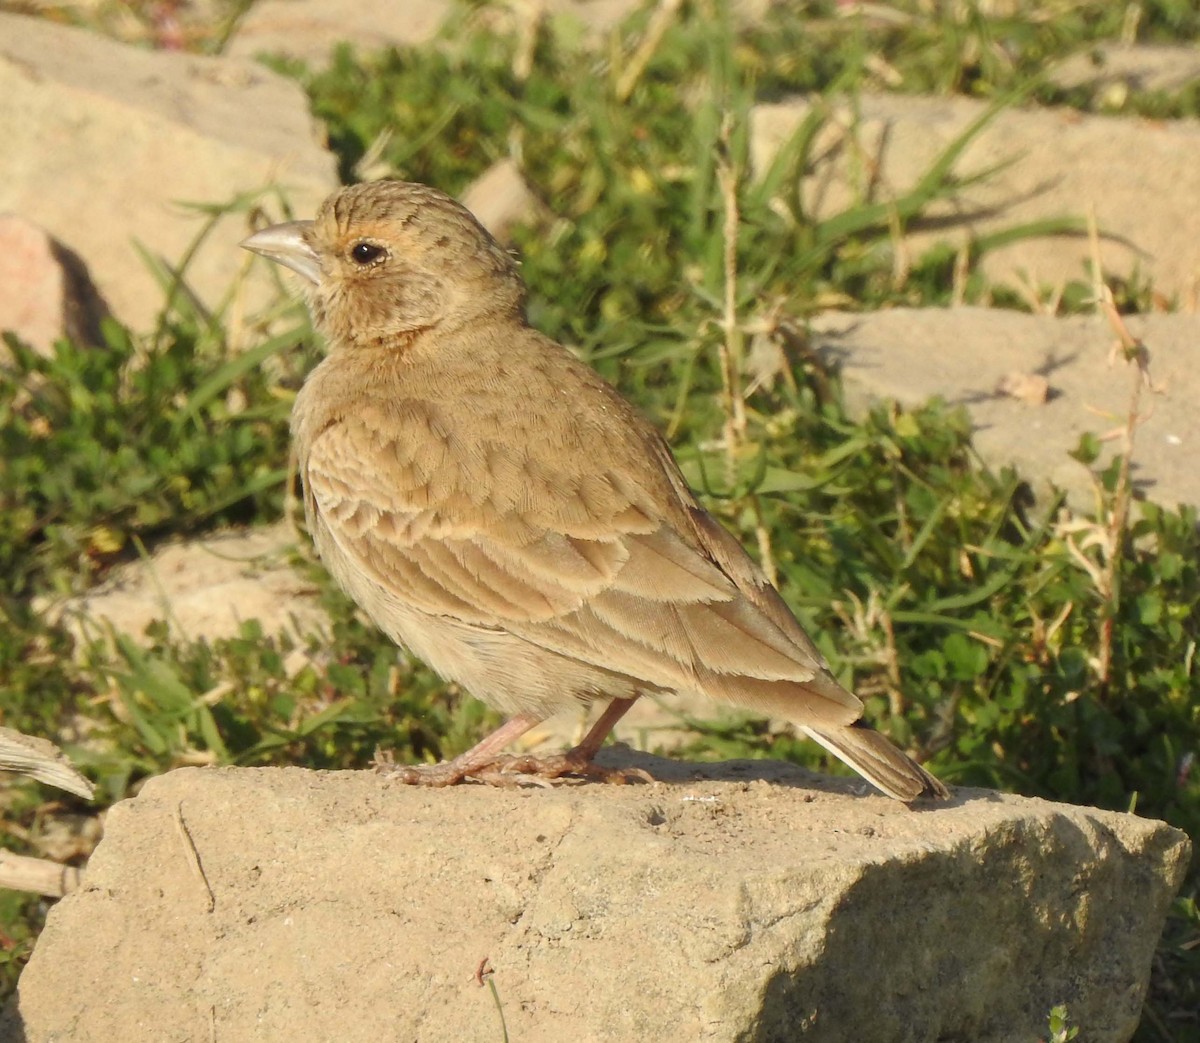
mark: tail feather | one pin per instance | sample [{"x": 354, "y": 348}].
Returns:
[{"x": 878, "y": 761}]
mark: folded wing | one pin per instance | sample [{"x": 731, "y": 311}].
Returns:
[{"x": 620, "y": 570}]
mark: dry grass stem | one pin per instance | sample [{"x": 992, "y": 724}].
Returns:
[
  {"x": 962, "y": 272},
  {"x": 660, "y": 22},
  {"x": 901, "y": 255},
  {"x": 38, "y": 876},
  {"x": 1111, "y": 535},
  {"x": 762, "y": 535},
  {"x": 895, "y": 683},
  {"x": 529, "y": 16},
  {"x": 730, "y": 348}
]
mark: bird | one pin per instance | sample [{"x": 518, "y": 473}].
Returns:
[{"x": 498, "y": 509}]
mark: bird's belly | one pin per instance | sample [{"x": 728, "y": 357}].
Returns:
[{"x": 509, "y": 673}]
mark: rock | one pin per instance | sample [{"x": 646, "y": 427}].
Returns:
[
  {"x": 46, "y": 292},
  {"x": 204, "y": 588},
  {"x": 309, "y": 29},
  {"x": 499, "y": 198},
  {"x": 742, "y": 901},
  {"x": 103, "y": 144},
  {"x": 965, "y": 354},
  {"x": 1118, "y": 69},
  {"x": 1060, "y": 164}
]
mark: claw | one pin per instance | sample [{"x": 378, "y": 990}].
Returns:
[{"x": 509, "y": 771}]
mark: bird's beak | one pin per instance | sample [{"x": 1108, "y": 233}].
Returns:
[{"x": 286, "y": 244}]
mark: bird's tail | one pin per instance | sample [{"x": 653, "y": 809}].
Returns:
[{"x": 878, "y": 761}]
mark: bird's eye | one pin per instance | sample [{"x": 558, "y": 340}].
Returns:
[{"x": 365, "y": 253}]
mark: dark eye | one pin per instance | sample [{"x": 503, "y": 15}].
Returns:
[{"x": 365, "y": 253}]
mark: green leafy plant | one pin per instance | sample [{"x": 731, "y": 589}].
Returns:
[{"x": 1061, "y": 1029}]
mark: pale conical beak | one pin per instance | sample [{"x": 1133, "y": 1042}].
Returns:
[{"x": 287, "y": 245}]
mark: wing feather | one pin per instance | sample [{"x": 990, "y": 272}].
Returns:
[{"x": 591, "y": 565}]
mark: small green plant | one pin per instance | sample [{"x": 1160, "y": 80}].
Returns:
[{"x": 1061, "y": 1029}]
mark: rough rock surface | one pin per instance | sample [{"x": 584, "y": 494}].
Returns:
[
  {"x": 204, "y": 588},
  {"x": 741, "y": 901},
  {"x": 308, "y": 29},
  {"x": 500, "y": 198},
  {"x": 103, "y": 143},
  {"x": 1134, "y": 174},
  {"x": 964, "y": 354},
  {"x": 45, "y": 290},
  {"x": 1117, "y": 69}
]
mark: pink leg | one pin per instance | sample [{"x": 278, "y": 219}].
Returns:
[
  {"x": 485, "y": 762},
  {"x": 591, "y": 743},
  {"x": 480, "y": 756},
  {"x": 580, "y": 759}
]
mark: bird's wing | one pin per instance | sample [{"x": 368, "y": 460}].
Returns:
[{"x": 590, "y": 563}]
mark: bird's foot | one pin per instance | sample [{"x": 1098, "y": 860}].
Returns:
[
  {"x": 572, "y": 766},
  {"x": 508, "y": 771},
  {"x": 445, "y": 773}
]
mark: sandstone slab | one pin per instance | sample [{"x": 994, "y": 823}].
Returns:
[
  {"x": 1138, "y": 176},
  {"x": 104, "y": 144},
  {"x": 743, "y": 901},
  {"x": 964, "y": 355},
  {"x": 203, "y": 589},
  {"x": 499, "y": 198},
  {"x": 309, "y": 29},
  {"x": 1117, "y": 69}
]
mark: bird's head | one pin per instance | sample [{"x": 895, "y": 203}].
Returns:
[{"x": 385, "y": 260}]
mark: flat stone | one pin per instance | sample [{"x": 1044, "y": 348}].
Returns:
[
  {"x": 1119, "y": 69},
  {"x": 964, "y": 355},
  {"x": 499, "y": 198},
  {"x": 309, "y": 29},
  {"x": 202, "y": 589},
  {"x": 740, "y": 901},
  {"x": 1045, "y": 164},
  {"x": 104, "y": 145}
]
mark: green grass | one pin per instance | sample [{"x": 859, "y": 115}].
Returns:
[{"x": 975, "y": 632}]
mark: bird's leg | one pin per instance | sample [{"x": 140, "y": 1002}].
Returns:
[
  {"x": 579, "y": 760},
  {"x": 483, "y": 755},
  {"x": 485, "y": 762},
  {"x": 590, "y": 745}
]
